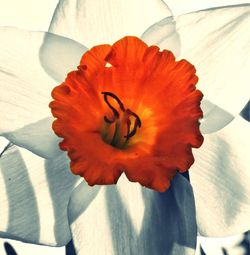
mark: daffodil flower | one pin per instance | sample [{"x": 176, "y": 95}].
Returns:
[
  {"x": 129, "y": 108},
  {"x": 42, "y": 202}
]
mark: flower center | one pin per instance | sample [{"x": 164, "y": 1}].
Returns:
[{"x": 119, "y": 129}]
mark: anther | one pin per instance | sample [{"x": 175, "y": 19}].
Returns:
[
  {"x": 115, "y": 112},
  {"x": 127, "y": 114},
  {"x": 137, "y": 124}
]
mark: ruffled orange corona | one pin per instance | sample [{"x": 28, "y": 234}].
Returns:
[{"x": 129, "y": 108}]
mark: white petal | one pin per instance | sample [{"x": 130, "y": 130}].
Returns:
[
  {"x": 37, "y": 137},
  {"x": 34, "y": 197},
  {"x": 214, "y": 118},
  {"x": 27, "y": 14},
  {"x": 182, "y": 6},
  {"x": 164, "y": 35},
  {"x": 25, "y": 59},
  {"x": 60, "y": 55},
  {"x": 217, "y": 42},
  {"x": 220, "y": 178},
  {"x": 93, "y": 22},
  {"x": 129, "y": 219}
]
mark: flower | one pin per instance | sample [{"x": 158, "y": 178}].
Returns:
[
  {"x": 144, "y": 105},
  {"x": 89, "y": 214}
]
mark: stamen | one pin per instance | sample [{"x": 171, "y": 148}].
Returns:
[
  {"x": 137, "y": 124},
  {"x": 127, "y": 114},
  {"x": 128, "y": 129},
  {"x": 115, "y": 112},
  {"x": 116, "y": 135}
]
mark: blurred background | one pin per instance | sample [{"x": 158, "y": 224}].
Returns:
[{"x": 35, "y": 15}]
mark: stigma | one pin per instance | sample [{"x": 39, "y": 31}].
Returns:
[{"x": 122, "y": 125}]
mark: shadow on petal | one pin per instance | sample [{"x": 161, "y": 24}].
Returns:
[
  {"x": 19, "y": 207},
  {"x": 124, "y": 239},
  {"x": 168, "y": 225},
  {"x": 220, "y": 179},
  {"x": 34, "y": 197},
  {"x": 228, "y": 181},
  {"x": 81, "y": 198},
  {"x": 61, "y": 182}
]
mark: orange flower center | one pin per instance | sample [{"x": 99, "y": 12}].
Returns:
[{"x": 120, "y": 128}]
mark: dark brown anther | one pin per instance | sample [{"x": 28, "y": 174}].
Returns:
[
  {"x": 127, "y": 114},
  {"x": 115, "y": 112},
  {"x": 137, "y": 124}
]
